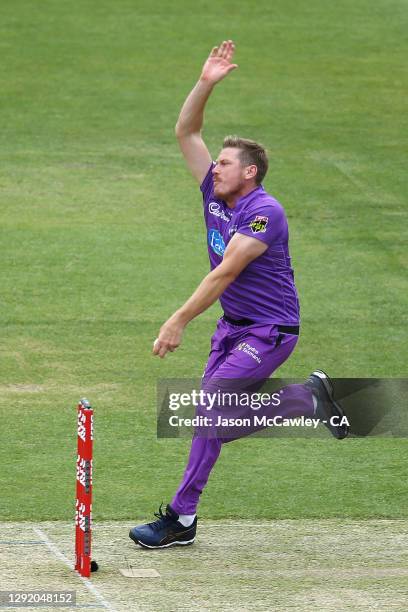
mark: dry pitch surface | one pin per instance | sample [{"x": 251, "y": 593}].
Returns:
[{"x": 234, "y": 565}]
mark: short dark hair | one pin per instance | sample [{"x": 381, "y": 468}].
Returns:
[{"x": 250, "y": 153}]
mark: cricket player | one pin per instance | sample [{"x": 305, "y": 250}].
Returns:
[{"x": 251, "y": 275}]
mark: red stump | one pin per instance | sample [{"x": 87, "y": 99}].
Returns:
[{"x": 83, "y": 509}]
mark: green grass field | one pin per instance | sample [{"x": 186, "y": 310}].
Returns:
[{"x": 102, "y": 239}]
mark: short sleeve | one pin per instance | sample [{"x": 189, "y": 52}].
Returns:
[
  {"x": 266, "y": 223},
  {"x": 207, "y": 186}
]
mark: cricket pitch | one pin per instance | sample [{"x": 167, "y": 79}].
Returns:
[{"x": 330, "y": 564}]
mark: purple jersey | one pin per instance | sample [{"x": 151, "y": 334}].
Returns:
[{"x": 265, "y": 291}]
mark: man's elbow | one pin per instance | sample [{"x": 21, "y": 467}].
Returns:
[
  {"x": 183, "y": 131},
  {"x": 180, "y": 130}
]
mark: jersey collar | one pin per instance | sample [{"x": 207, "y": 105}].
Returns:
[{"x": 248, "y": 197}]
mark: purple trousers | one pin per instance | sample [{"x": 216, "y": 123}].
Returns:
[{"x": 242, "y": 354}]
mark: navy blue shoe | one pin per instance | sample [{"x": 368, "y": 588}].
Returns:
[
  {"x": 165, "y": 532},
  {"x": 328, "y": 411}
]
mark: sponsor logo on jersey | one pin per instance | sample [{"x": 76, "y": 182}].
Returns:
[
  {"x": 232, "y": 230},
  {"x": 214, "y": 208},
  {"x": 249, "y": 350},
  {"x": 259, "y": 224},
  {"x": 216, "y": 242}
]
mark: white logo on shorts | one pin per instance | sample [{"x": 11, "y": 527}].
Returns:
[{"x": 249, "y": 350}]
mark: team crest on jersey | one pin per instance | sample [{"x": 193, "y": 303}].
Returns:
[{"x": 259, "y": 224}]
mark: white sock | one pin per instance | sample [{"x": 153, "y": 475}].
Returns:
[
  {"x": 314, "y": 403},
  {"x": 186, "y": 519}
]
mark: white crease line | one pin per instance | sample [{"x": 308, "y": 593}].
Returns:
[
  {"x": 53, "y": 548},
  {"x": 283, "y": 523},
  {"x": 270, "y": 524}
]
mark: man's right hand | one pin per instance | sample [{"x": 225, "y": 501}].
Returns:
[
  {"x": 218, "y": 64},
  {"x": 190, "y": 121}
]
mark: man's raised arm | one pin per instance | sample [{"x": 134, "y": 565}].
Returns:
[{"x": 190, "y": 121}]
